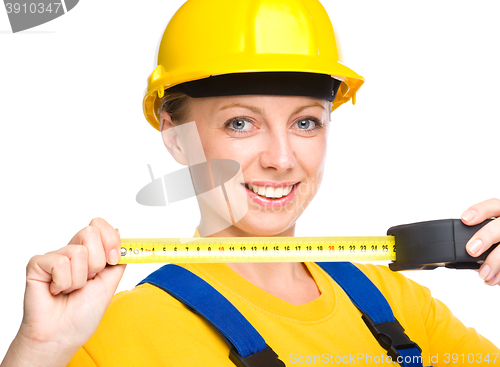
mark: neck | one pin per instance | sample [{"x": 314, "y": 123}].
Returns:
[{"x": 290, "y": 282}]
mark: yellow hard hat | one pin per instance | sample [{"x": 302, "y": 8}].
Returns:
[{"x": 207, "y": 38}]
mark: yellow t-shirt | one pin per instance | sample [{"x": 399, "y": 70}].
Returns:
[{"x": 145, "y": 326}]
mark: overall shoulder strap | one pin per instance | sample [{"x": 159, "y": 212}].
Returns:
[
  {"x": 377, "y": 314},
  {"x": 248, "y": 348}
]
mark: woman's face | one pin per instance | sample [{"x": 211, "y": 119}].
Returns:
[{"x": 280, "y": 144}]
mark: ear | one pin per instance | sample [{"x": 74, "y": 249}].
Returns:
[{"x": 171, "y": 139}]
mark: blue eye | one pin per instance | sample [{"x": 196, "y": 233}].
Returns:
[
  {"x": 304, "y": 124},
  {"x": 238, "y": 124}
]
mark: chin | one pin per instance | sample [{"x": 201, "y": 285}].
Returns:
[{"x": 265, "y": 226}]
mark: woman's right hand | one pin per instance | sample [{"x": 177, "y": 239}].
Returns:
[{"x": 67, "y": 293}]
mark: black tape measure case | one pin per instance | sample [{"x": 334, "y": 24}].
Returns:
[{"x": 437, "y": 243}]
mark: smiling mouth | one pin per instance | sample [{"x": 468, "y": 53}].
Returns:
[{"x": 270, "y": 192}]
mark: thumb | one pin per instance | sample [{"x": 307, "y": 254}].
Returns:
[{"x": 111, "y": 276}]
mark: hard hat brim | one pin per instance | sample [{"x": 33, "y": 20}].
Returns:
[
  {"x": 160, "y": 80},
  {"x": 262, "y": 83}
]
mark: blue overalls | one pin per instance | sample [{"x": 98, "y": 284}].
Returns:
[{"x": 248, "y": 348}]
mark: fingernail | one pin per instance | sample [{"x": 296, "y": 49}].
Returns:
[
  {"x": 475, "y": 246},
  {"x": 92, "y": 275},
  {"x": 113, "y": 257},
  {"x": 469, "y": 215},
  {"x": 484, "y": 270}
]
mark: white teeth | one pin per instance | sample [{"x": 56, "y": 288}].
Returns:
[{"x": 271, "y": 192}]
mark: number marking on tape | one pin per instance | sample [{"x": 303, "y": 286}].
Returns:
[{"x": 256, "y": 249}]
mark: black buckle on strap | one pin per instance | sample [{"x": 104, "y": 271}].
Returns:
[
  {"x": 264, "y": 358},
  {"x": 390, "y": 335}
]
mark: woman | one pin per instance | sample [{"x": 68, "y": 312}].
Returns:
[{"x": 279, "y": 140}]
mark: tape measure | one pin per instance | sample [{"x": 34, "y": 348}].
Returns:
[
  {"x": 256, "y": 249},
  {"x": 422, "y": 245}
]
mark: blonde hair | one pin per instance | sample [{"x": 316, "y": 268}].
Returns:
[{"x": 177, "y": 105}]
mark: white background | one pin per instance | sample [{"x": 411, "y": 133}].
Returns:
[{"x": 421, "y": 143}]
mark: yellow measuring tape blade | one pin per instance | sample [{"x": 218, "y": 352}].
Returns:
[{"x": 256, "y": 249}]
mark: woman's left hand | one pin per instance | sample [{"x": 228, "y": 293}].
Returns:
[{"x": 485, "y": 237}]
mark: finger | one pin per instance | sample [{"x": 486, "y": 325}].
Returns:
[
  {"x": 111, "y": 276},
  {"x": 494, "y": 280},
  {"x": 484, "y": 238},
  {"x": 480, "y": 212},
  {"x": 103, "y": 242},
  {"x": 90, "y": 237},
  {"x": 490, "y": 269},
  {"x": 50, "y": 268},
  {"x": 79, "y": 257},
  {"x": 110, "y": 239}
]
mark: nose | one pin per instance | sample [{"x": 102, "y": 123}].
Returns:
[{"x": 278, "y": 153}]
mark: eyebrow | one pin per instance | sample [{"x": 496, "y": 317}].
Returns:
[{"x": 261, "y": 111}]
